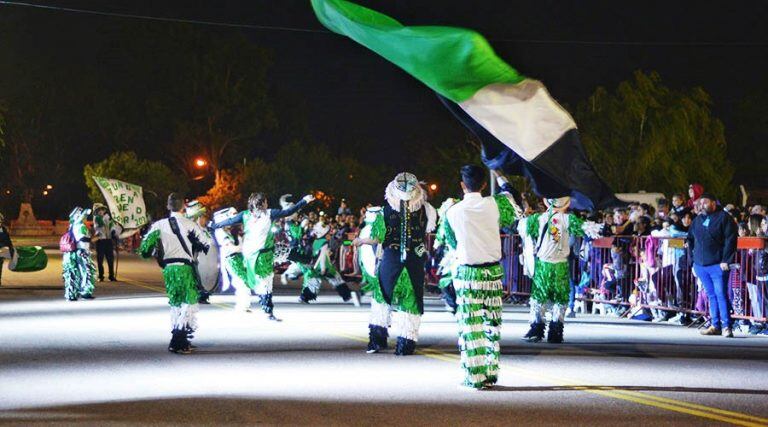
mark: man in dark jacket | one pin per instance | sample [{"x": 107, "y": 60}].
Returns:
[{"x": 712, "y": 238}]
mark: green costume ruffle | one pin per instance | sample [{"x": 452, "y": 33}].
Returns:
[
  {"x": 550, "y": 282},
  {"x": 149, "y": 243},
  {"x": 237, "y": 265},
  {"x": 259, "y": 266},
  {"x": 180, "y": 284},
  {"x": 404, "y": 297},
  {"x": 507, "y": 214}
]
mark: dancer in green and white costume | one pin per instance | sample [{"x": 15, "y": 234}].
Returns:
[
  {"x": 549, "y": 232},
  {"x": 448, "y": 261},
  {"x": 171, "y": 242},
  {"x": 400, "y": 228},
  {"x": 299, "y": 256},
  {"x": 232, "y": 263},
  {"x": 259, "y": 244},
  {"x": 323, "y": 269},
  {"x": 472, "y": 229},
  {"x": 78, "y": 268}
]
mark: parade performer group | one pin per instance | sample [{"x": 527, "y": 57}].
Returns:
[
  {"x": 78, "y": 269},
  {"x": 173, "y": 241},
  {"x": 401, "y": 229},
  {"x": 471, "y": 230},
  {"x": 259, "y": 244},
  {"x": 549, "y": 232}
]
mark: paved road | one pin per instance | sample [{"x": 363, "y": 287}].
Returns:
[{"x": 104, "y": 362}]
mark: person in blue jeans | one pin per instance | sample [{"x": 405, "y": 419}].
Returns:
[{"x": 712, "y": 239}]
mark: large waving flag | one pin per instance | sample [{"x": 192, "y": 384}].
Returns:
[{"x": 523, "y": 130}]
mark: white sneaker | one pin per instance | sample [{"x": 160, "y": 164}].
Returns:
[{"x": 355, "y": 299}]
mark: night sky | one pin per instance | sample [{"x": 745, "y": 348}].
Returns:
[{"x": 350, "y": 95}]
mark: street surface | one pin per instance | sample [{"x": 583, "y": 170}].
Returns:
[{"x": 105, "y": 362}]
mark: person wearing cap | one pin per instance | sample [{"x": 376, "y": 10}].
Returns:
[
  {"x": 78, "y": 268},
  {"x": 322, "y": 269},
  {"x": 6, "y": 246},
  {"x": 401, "y": 229},
  {"x": 550, "y": 232},
  {"x": 259, "y": 244},
  {"x": 712, "y": 239},
  {"x": 472, "y": 229},
  {"x": 232, "y": 264},
  {"x": 105, "y": 231},
  {"x": 171, "y": 241}
]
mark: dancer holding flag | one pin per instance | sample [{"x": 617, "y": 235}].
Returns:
[
  {"x": 259, "y": 244},
  {"x": 522, "y": 129},
  {"x": 401, "y": 229},
  {"x": 471, "y": 229}
]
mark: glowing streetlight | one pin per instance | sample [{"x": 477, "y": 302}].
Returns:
[
  {"x": 200, "y": 163},
  {"x": 433, "y": 187},
  {"x": 45, "y": 192},
  {"x": 49, "y": 187}
]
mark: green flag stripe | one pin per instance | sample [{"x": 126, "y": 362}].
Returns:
[{"x": 454, "y": 62}]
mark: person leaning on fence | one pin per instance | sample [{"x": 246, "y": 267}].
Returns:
[{"x": 712, "y": 237}]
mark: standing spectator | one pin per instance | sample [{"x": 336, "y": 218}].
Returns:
[
  {"x": 622, "y": 225},
  {"x": 104, "y": 234},
  {"x": 344, "y": 208},
  {"x": 694, "y": 192},
  {"x": 678, "y": 204},
  {"x": 712, "y": 237}
]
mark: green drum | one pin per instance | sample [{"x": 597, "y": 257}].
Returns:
[{"x": 28, "y": 258}]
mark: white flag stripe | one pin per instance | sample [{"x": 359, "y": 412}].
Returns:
[{"x": 523, "y": 116}]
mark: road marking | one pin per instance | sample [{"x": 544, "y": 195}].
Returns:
[{"x": 646, "y": 399}]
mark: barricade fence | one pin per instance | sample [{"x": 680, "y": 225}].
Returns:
[{"x": 652, "y": 273}]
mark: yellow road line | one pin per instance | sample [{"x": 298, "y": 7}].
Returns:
[{"x": 646, "y": 399}]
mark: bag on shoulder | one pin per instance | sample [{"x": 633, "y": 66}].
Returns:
[{"x": 67, "y": 242}]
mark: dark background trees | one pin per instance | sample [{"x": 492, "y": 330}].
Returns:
[{"x": 291, "y": 112}]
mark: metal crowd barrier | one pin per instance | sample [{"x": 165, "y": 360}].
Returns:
[{"x": 657, "y": 274}]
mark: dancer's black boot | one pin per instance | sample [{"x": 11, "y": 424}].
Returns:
[
  {"x": 405, "y": 347},
  {"x": 536, "y": 333},
  {"x": 377, "y": 338},
  {"x": 555, "y": 332}
]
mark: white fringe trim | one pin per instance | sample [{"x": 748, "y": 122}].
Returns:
[
  {"x": 336, "y": 280},
  {"x": 184, "y": 316},
  {"x": 313, "y": 284},
  {"x": 406, "y": 325},
  {"x": 592, "y": 229},
  {"x": 264, "y": 285},
  {"x": 381, "y": 314}
]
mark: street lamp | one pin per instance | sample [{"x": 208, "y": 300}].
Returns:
[
  {"x": 200, "y": 163},
  {"x": 433, "y": 187},
  {"x": 49, "y": 187}
]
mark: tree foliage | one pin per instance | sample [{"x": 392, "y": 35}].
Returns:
[
  {"x": 646, "y": 136},
  {"x": 155, "y": 178}
]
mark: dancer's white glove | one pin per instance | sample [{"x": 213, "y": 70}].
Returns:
[{"x": 309, "y": 198}]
